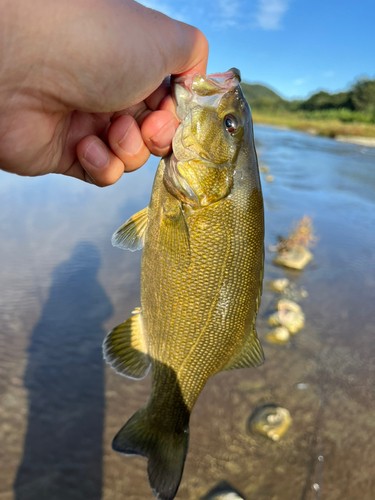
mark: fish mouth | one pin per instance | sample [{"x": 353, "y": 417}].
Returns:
[
  {"x": 205, "y": 85},
  {"x": 210, "y": 88},
  {"x": 189, "y": 91}
]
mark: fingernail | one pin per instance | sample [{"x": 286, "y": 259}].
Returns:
[
  {"x": 89, "y": 179},
  {"x": 96, "y": 155},
  {"x": 164, "y": 137},
  {"x": 132, "y": 141}
]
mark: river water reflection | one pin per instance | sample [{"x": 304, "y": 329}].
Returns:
[{"x": 62, "y": 286}]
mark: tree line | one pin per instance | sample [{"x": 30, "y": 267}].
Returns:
[{"x": 355, "y": 104}]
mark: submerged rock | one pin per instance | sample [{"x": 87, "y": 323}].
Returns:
[
  {"x": 297, "y": 258},
  {"x": 270, "y": 178},
  {"x": 279, "y": 335},
  {"x": 270, "y": 421},
  {"x": 294, "y": 293},
  {"x": 264, "y": 169},
  {"x": 223, "y": 491},
  {"x": 278, "y": 285},
  {"x": 288, "y": 305},
  {"x": 302, "y": 386},
  {"x": 291, "y": 320},
  {"x": 227, "y": 496}
]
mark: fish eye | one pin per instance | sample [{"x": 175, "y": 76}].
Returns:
[{"x": 231, "y": 123}]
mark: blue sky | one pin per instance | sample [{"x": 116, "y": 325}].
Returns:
[{"x": 294, "y": 46}]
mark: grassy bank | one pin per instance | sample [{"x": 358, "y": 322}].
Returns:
[{"x": 325, "y": 126}]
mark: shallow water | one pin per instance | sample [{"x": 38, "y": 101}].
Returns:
[{"x": 62, "y": 286}]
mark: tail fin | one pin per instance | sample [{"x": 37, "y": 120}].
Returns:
[{"x": 166, "y": 451}]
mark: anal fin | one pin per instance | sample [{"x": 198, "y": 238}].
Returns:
[
  {"x": 125, "y": 349},
  {"x": 250, "y": 355}
]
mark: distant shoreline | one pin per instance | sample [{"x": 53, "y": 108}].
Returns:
[
  {"x": 362, "y": 141},
  {"x": 353, "y": 133}
]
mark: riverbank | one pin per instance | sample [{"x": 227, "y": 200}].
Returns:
[
  {"x": 63, "y": 286},
  {"x": 354, "y": 132}
]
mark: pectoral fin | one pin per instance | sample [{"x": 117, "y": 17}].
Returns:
[
  {"x": 251, "y": 354},
  {"x": 131, "y": 235},
  {"x": 125, "y": 348},
  {"x": 174, "y": 233}
]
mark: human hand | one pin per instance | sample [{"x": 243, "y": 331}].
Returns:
[{"x": 83, "y": 89}]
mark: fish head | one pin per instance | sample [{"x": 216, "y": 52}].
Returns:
[
  {"x": 214, "y": 137},
  {"x": 215, "y": 118}
]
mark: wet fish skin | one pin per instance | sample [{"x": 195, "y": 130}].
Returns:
[{"x": 201, "y": 274}]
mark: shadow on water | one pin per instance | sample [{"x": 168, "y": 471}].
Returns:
[{"x": 65, "y": 382}]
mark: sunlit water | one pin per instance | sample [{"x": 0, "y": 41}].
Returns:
[{"x": 63, "y": 286}]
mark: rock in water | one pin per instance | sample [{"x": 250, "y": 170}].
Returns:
[
  {"x": 227, "y": 496},
  {"x": 270, "y": 421},
  {"x": 293, "y": 293},
  {"x": 223, "y": 491},
  {"x": 278, "y": 285},
  {"x": 288, "y": 305},
  {"x": 289, "y": 315},
  {"x": 279, "y": 335},
  {"x": 297, "y": 258},
  {"x": 292, "y": 320}
]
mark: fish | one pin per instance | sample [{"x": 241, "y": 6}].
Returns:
[{"x": 201, "y": 272}]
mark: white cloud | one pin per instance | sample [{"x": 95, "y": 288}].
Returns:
[
  {"x": 299, "y": 81},
  {"x": 329, "y": 74},
  {"x": 226, "y": 13},
  {"x": 270, "y": 13},
  {"x": 165, "y": 8},
  {"x": 228, "y": 9}
]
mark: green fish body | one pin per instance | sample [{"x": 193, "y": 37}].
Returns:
[{"x": 201, "y": 275}]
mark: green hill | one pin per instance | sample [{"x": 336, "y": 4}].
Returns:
[
  {"x": 254, "y": 92},
  {"x": 347, "y": 113},
  {"x": 354, "y": 105}
]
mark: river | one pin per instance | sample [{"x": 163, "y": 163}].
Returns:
[{"x": 63, "y": 286}]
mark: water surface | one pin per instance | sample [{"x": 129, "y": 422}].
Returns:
[{"x": 62, "y": 286}]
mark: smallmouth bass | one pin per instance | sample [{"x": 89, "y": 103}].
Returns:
[{"x": 201, "y": 275}]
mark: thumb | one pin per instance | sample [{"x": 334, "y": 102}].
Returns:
[{"x": 125, "y": 50}]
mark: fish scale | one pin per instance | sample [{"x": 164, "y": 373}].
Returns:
[{"x": 201, "y": 272}]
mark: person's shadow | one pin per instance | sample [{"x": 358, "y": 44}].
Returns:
[{"x": 65, "y": 381}]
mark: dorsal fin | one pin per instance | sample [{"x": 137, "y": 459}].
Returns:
[{"x": 131, "y": 235}]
